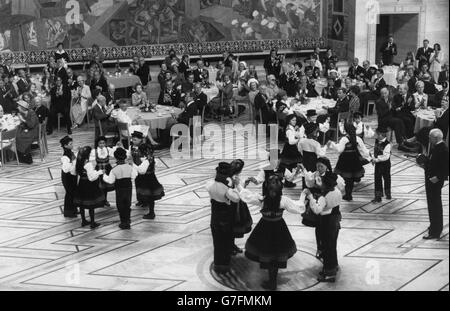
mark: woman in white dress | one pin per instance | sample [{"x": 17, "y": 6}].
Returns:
[
  {"x": 436, "y": 59},
  {"x": 80, "y": 101}
]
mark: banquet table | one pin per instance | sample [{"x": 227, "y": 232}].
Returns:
[
  {"x": 154, "y": 120},
  {"x": 9, "y": 122},
  {"x": 316, "y": 104},
  {"x": 123, "y": 81},
  {"x": 390, "y": 75},
  {"x": 425, "y": 118}
]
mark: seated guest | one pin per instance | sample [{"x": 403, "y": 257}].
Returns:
[
  {"x": 99, "y": 83},
  {"x": 61, "y": 98},
  {"x": 330, "y": 91},
  {"x": 272, "y": 87},
  {"x": 188, "y": 85},
  {"x": 353, "y": 95},
  {"x": 374, "y": 88},
  {"x": 134, "y": 66},
  {"x": 366, "y": 74},
  {"x": 71, "y": 79},
  {"x": 347, "y": 84},
  {"x": 304, "y": 90},
  {"x": 403, "y": 105},
  {"x": 412, "y": 79},
  {"x": 28, "y": 132},
  {"x": 171, "y": 58},
  {"x": 379, "y": 83},
  {"x": 309, "y": 73},
  {"x": 169, "y": 96},
  {"x": 23, "y": 83},
  {"x": 420, "y": 97},
  {"x": 272, "y": 64},
  {"x": 330, "y": 60},
  {"x": 6, "y": 99},
  {"x": 102, "y": 116},
  {"x": 251, "y": 73},
  {"x": 41, "y": 111},
  {"x": 221, "y": 104},
  {"x": 168, "y": 77},
  {"x": 177, "y": 77},
  {"x": 111, "y": 96},
  {"x": 200, "y": 98},
  {"x": 143, "y": 72},
  {"x": 334, "y": 74},
  {"x": 355, "y": 71},
  {"x": 139, "y": 97},
  {"x": 443, "y": 76},
  {"x": 122, "y": 116},
  {"x": 8, "y": 68},
  {"x": 424, "y": 69},
  {"x": 81, "y": 98},
  {"x": 220, "y": 71},
  {"x": 61, "y": 53},
  {"x": 201, "y": 74},
  {"x": 386, "y": 119},
  {"x": 429, "y": 87},
  {"x": 282, "y": 108},
  {"x": 162, "y": 75},
  {"x": 263, "y": 104},
  {"x": 185, "y": 65},
  {"x": 289, "y": 81},
  {"x": 253, "y": 90},
  {"x": 342, "y": 106},
  {"x": 441, "y": 96},
  {"x": 190, "y": 110}
]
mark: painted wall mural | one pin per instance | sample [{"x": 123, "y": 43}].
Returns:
[{"x": 121, "y": 25}]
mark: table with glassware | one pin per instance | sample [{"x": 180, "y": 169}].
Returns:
[
  {"x": 426, "y": 118},
  {"x": 316, "y": 103},
  {"x": 122, "y": 80},
  {"x": 390, "y": 75},
  {"x": 156, "y": 120}
]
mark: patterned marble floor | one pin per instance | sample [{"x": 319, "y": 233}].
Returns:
[{"x": 380, "y": 247}]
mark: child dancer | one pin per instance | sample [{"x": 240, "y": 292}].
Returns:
[
  {"x": 68, "y": 176},
  {"x": 101, "y": 155},
  {"x": 327, "y": 206},
  {"x": 271, "y": 243},
  {"x": 242, "y": 219},
  {"x": 88, "y": 194},
  {"x": 362, "y": 130},
  {"x": 291, "y": 157},
  {"x": 148, "y": 188},
  {"x": 382, "y": 161},
  {"x": 121, "y": 176}
]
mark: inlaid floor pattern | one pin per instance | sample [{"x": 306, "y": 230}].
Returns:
[{"x": 380, "y": 246}]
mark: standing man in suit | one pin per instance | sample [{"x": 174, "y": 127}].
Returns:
[
  {"x": 388, "y": 51},
  {"x": 99, "y": 82},
  {"x": 424, "y": 53},
  {"x": 61, "y": 98},
  {"x": 71, "y": 79},
  {"x": 61, "y": 72},
  {"x": 443, "y": 76},
  {"x": 436, "y": 173}
]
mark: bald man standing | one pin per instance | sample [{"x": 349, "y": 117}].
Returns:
[{"x": 436, "y": 173}]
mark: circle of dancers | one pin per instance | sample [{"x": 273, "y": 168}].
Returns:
[{"x": 302, "y": 161}]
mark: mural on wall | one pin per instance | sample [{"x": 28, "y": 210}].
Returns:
[{"x": 35, "y": 25}]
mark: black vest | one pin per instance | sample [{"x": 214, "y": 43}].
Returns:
[{"x": 379, "y": 147}]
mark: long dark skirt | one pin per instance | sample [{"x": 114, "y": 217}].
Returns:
[
  {"x": 349, "y": 166},
  {"x": 222, "y": 233},
  {"x": 104, "y": 185},
  {"x": 242, "y": 219},
  {"x": 70, "y": 184},
  {"x": 88, "y": 194},
  {"x": 124, "y": 191},
  {"x": 329, "y": 231},
  {"x": 148, "y": 188},
  {"x": 270, "y": 244}
]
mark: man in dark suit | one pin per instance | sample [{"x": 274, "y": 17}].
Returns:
[
  {"x": 169, "y": 96},
  {"x": 143, "y": 72},
  {"x": 6, "y": 99},
  {"x": 187, "y": 86},
  {"x": 61, "y": 72},
  {"x": 71, "y": 79},
  {"x": 101, "y": 112},
  {"x": 99, "y": 82},
  {"x": 440, "y": 97},
  {"x": 61, "y": 98},
  {"x": 24, "y": 83},
  {"x": 190, "y": 110},
  {"x": 355, "y": 70},
  {"x": 7, "y": 67},
  {"x": 424, "y": 53},
  {"x": 330, "y": 91},
  {"x": 402, "y": 107},
  {"x": 388, "y": 51},
  {"x": 111, "y": 96},
  {"x": 436, "y": 173},
  {"x": 201, "y": 74},
  {"x": 201, "y": 100},
  {"x": 272, "y": 64},
  {"x": 342, "y": 106},
  {"x": 429, "y": 87},
  {"x": 443, "y": 75}
]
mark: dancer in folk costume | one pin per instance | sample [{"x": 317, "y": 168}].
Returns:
[
  {"x": 242, "y": 219},
  {"x": 271, "y": 243},
  {"x": 291, "y": 157},
  {"x": 88, "y": 194},
  {"x": 222, "y": 194},
  {"x": 68, "y": 176},
  {"x": 101, "y": 155},
  {"x": 148, "y": 188},
  {"x": 121, "y": 176},
  {"x": 381, "y": 159}
]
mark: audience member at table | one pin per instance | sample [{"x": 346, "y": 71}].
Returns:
[
  {"x": 99, "y": 82},
  {"x": 190, "y": 110},
  {"x": 122, "y": 116},
  {"x": 388, "y": 51},
  {"x": 162, "y": 75},
  {"x": 342, "y": 106},
  {"x": 143, "y": 72},
  {"x": 444, "y": 75},
  {"x": 8, "y": 68},
  {"x": 102, "y": 116},
  {"x": 354, "y": 101},
  {"x": 273, "y": 63},
  {"x": 412, "y": 79},
  {"x": 305, "y": 90},
  {"x": 81, "y": 98},
  {"x": 177, "y": 77},
  {"x": 366, "y": 75},
  {"x": 61, "y": 72},
  {"x": 348, "y": 82},
  {"x": 386, "y": 119},
  {"x": 221, "y": 104},
  {"x": 330, "y": 60},
  {"x": 272, "y": 87},
  {"x": 26, "y": 97},
  {"x": 61, "y": 53},
  {"x": 171, "y": 58},
  {"x": 330, "y": 91},
  {"x": 139, "y": 97},
  {"x": 355, "y": 71},
  {"x": 424, "y": 70},
  {"x": 71, "y": 79},
  {"x": 134, "y": 65},
  {"x": 420, "y": 97},
  {"x": 289, "y": 81},
  {"x": 252, "y": 85},
  {"x": 169, "y": 96},
  {"x": 7, "y": 97},
  {"x": 403, "y": 104},
  {"x": 24, "y": 82},
  {"x": 61, "y": 98},
  {"x": 265, "y": 105},
  {"x": 334, "y": 74},
  {"x": 436, "y": 59},
  {"x": 201, "y": 99},
  {"x": 185, "y": 65},
  {"x": 187, "y": 86},
  {"x": 424, "y": 53},
  {"x": 441, "y": 96},
  {"x": 111, "y": 95},
  {"x": 429, "y": 86},
  {"x": 220, "y": 71},
  {"x": 201, "y": 74},
  {"x": 283, "y": 109},
  {"x": 27, "y": 132},
  {"x": 41, "y": 111},
  {"x": 408, "y": 61}
]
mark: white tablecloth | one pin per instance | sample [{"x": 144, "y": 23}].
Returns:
[
  {"x": 211, "y": 92},
  {"x": 316, "y": 104},
  {"x": 390, "y": 75},
  {"x": 425, "y": 118},
  {"x": 155, "y": 120},
  {"x": 123, "y": 81}
]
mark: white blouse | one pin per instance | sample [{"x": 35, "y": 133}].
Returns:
[
  {"x": 291, "y": 134},
  {"x": 102, "y": 153},
  {"x": 221, "y": 193},
  {"x": 67, "y": 166},
  {"x": 92, "y": 174},
  {"x": 120, "y": 172},
  {"x": 292, "y": 206},
  {"x": 311, "y": 145},
  {"x": 324, "y": 205},
  {"x": 344, "y": 141},
  {"x": 314, "y": 180}
]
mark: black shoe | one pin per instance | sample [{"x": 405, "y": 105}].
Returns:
[
  {"x": 347, "y": 198},
  {"x": 269, "y": 286},
  {"x": 71, "y": 216},
  {"x": 69, "y": 132},
  {"x": 139, "y": 204},
  {"x": 25, "y": 158},
  {"x": 49, "y": 133},
  {"x": 319, "y": 255},
  {"x": 221, "y": 270},
  {"x": 326, "y": 278},
  {"x": 236, "y": 250},
  {"x": 150, "y": 216},
  {"x": 376, "y": 200},
  {"x": 388, "y": 197},
  {"x": 107, "y": 204},
  {"x": 431, "y": 237},
  {"x": 124, "y": 226},
  {"x": 85, "y": 223},
  {"x": 289, "y": 184},
  {"x": 94, "y": 225}
]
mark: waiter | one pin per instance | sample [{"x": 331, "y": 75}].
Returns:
[
  {"x": 388, "y": 51},
  {"x": 436, "y": 173}
]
